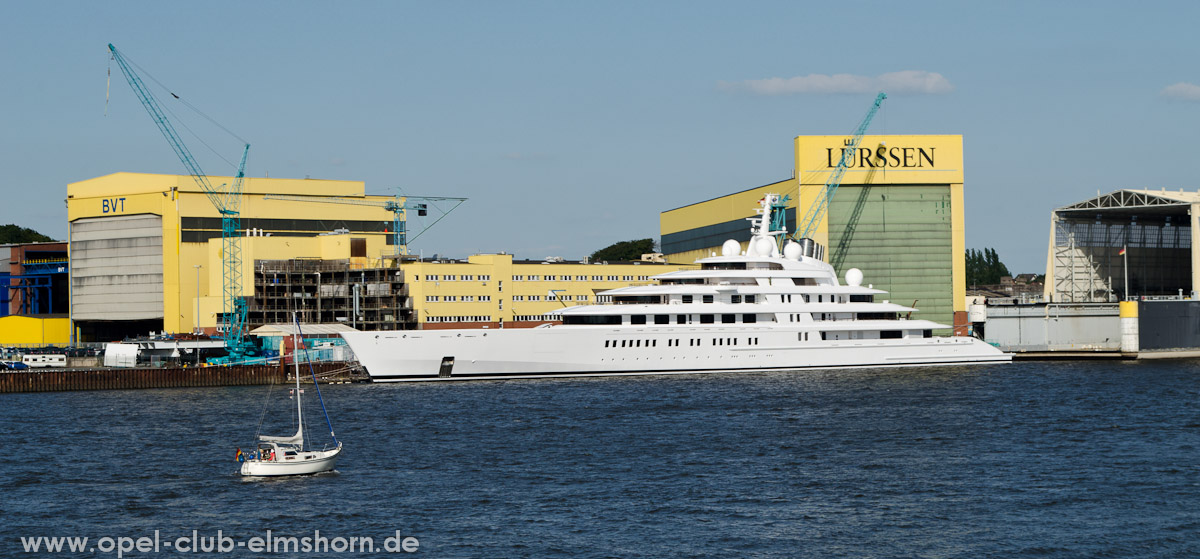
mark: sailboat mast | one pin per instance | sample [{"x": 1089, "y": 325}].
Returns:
[{"x": 296, "y": 363}]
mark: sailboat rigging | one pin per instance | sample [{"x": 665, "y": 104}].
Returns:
[{"x": 286, "y": 455}]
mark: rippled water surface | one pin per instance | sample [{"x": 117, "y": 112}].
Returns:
[{"x": 1097, "y": 459}]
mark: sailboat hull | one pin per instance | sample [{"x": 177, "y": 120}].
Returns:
[{"x": 310, "y": 462}]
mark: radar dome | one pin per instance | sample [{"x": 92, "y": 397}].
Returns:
[
  {"x": 792, "y": 251},
  {"x": 731, "y": 248},
  {"x": 763, "y": 246},
  {"x": 854, "y": 277}
]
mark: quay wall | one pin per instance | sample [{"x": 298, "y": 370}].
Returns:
[
  {"x": 50, "y": 380},
  {"x": 1153, "y": 328}
]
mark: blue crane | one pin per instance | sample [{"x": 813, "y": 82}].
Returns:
[
  {"x": 226, "y": 199},
  {"x": 398, "y": 206},
  {"x": 816, "y": 211}
]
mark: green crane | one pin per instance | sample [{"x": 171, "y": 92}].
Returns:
[
  {"x": 227, "y": 199},
  {"x": 398, "y": 206},
  {"x": 816, "y": 211}
]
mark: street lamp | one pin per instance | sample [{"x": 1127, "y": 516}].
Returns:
[{"x": 196, "y": 318}]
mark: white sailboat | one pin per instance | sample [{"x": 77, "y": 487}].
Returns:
[{"x": 286, "y": 455}]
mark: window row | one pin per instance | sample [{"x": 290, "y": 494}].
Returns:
[
  {"x": 734, "y": 299},
  {"x": 550, "y": 298},
  {"x": 479, "y": 318},
  {"x": 663, "y": 319},
  {"x": 531, "y": 317},
  {"x": 580, "y": 278},
  {"x": 692, "y": 342},
  {"x": 435, "y": 277},
  {"x": 457, "y": 298}
]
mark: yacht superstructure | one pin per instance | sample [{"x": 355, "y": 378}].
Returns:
[{"x": 774, "y": 306}]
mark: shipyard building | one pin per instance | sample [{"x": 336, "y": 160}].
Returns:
[
  {"x": 146, "y": 249},
  {"x": 33, "y": 298},
  {"x": 1122, "y": 277},
  {"x": 1127, "y": 243},
  {"x": 897, "y": 216}
]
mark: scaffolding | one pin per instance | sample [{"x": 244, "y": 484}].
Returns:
[{"x": 330, "y": 291}]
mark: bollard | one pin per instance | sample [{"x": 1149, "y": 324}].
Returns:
[{"x": 1130, "y": 345}]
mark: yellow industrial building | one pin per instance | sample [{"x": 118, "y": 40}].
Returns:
[
  {"x": 494, "y": 290},
  {"x": 146, "y": 248},
  {"x": 897, "y": 216}
]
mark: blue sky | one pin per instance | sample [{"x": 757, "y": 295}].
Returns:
[{"x": 571, "y": 125}]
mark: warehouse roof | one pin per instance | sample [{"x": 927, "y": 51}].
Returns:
[{"x": 1134, "y": 201}]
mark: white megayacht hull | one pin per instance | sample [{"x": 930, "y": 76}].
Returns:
[{"x": 588, "y": 351}]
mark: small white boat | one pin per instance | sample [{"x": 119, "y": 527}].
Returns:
[{"x": 286, "y": 456}]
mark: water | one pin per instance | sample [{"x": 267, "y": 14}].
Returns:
[{"x": 1096, "y": 459}]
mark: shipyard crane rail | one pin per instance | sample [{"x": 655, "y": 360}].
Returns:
[
  {"x": 817, "y": 210},
  {"x": 227, "y": 201},
  {"x": 399, "y": 207}
]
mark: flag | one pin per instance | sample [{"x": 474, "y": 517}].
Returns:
[
  {"x": 1122, "y": 252},
  {"x": 239, "y": 457}
]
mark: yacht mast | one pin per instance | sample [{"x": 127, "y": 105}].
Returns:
[{"x": 296, "y": 362}]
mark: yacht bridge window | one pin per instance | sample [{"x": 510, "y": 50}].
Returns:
[
  {"x": 637, "y": 299},
  {"x": 724, "y": 266},
  {"x": 592, "y": 319},
  {"x": 877, "y": 316}
]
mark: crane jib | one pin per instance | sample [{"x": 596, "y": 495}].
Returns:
[
  {"x": 227, "y": 201},
  {"x": 819, "y": 206}
]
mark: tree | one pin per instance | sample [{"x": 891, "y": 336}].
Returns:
[
  {"x": 984, "y": 267},
  {"x": 15, "y": 234},
  {"x": 624, "y": 250}
]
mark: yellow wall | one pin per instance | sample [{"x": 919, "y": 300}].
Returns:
[
  {"x": 29, "y": 330},
  {"x": 738, "y": 205},
  {"x": 886, "y": 159},
  {"x": 503, "y": 289},
  {"x": 719, "y": 210},
  {"x": 176, "y": 196},
  {"x": 127, "y": 184}
]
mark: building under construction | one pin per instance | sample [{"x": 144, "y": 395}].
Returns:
[{"x": 329, "y": 292}]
